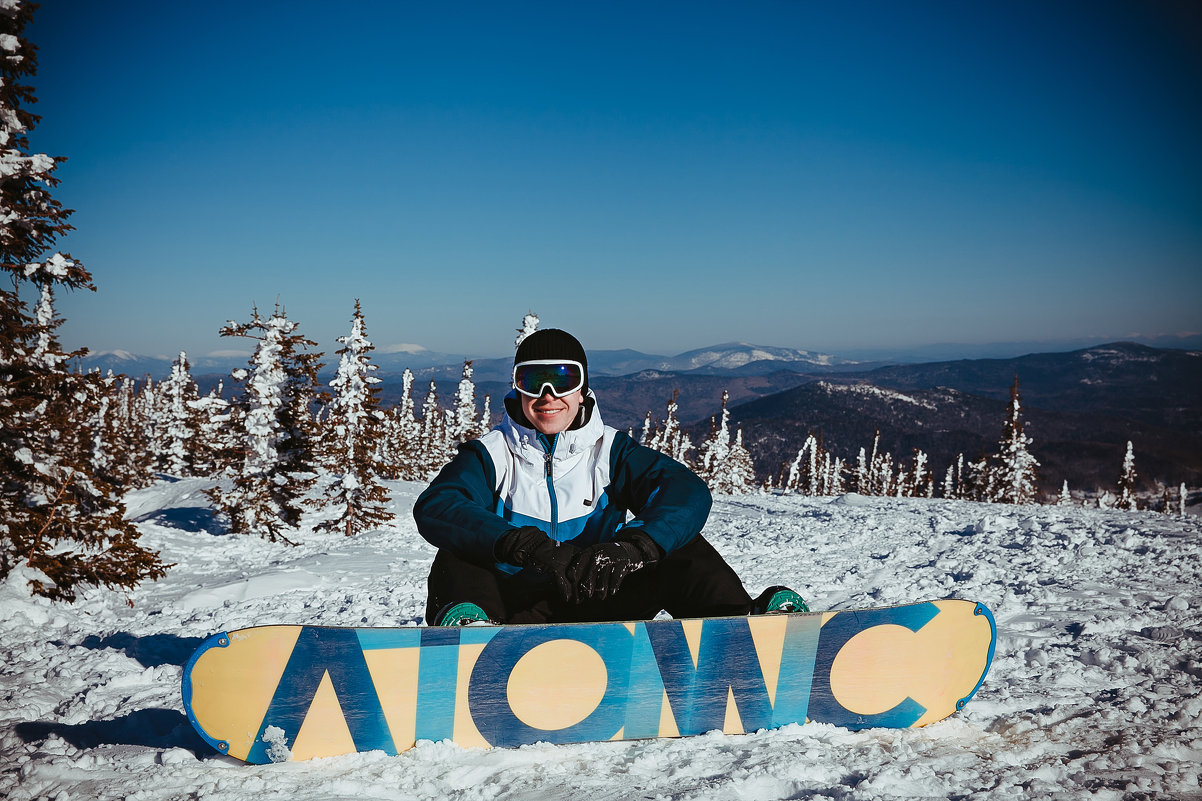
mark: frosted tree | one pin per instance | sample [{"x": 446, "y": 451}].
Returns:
[
  {"x": 1015, "y": 473},
  {"x": 214, "y": 446},
  {"x": 980, "y": 480},
  {"x": 1182, "y": 494},
  {"x": 874, "y": 472},
  {"x": 179, "y": 419},
  {"x": 1126, "y": 487},
  {"x": 740, "y": 467},
  {"x": 59, "y": 516},
  {"x": 1066, "y": 497},
  {"x": 725, "y": 466},
  {"x": 263, "y": 492},
  {"x": 401, "y": 445},
  {"x": 529, "y": 326},
  {"x": 918, "y": 482},
  {"x": 435, "y": 450},
  {"x": 354, "y": 427},
  {"x": 714, "y": 449},
  {"x": 464, "y": 424},
  {"x": 670, "y": 439},
  {"x": 130, "y": 462}
]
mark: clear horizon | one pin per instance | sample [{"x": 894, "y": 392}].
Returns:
[{"x": 664, "y": 178}]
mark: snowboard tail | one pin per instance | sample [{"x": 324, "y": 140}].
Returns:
[{"x": 277, "y": 693}]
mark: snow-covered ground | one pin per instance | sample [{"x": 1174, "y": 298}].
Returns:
[{"x": 1095, "y": 691}]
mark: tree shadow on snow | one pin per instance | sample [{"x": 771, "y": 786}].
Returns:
[
  {"x": 185, "y": 518},
  {"x": 151, "y": 651},
  {"x": 152, "y": 728}
]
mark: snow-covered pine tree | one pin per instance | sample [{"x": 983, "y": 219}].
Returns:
[
  {"x": 529, "y": 326},
  {"x": 434, "y": 449},
  {"x": 713, "y": 450},
  {"x": 100, "y": 424},
  {"x": 1066, "y": 497},
  {"x": 1182, "y": 494},
  {"x": 401, "y": 445},
  {"x": 832, "y": 481},
  {"x": 354, "y": 427},
  {"x": 1126, "y": 486},
  {"x": 979, "y": 482},
  {"x": 740, "y": 468},
  {"x": 130, "y": 459},
  {"x": 58, "y": 514},
  {"x": 671, "y": 439},
  {"x": 154, "y": 427},
  {"x": 1015, "y": 473},
  {"x": 214, "y": 446},
  {"x": 919, "y": 481},
  {"x": 179, "y": 420},
  {"x": 464, "y": 420},
  {"x": 725, "y": 466},
  {"x": 648, "y": 430},
  {"x": 801, "y": 475},
  {"x": 267, "y": 485}
]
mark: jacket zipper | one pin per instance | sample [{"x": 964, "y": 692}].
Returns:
[{"x": 548, "y": 472}]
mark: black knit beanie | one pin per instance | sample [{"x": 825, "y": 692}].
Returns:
[{"x": 552, "y": 343}]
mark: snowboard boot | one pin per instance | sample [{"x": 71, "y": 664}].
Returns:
[
  {"x": 778, "y": 599},
  {"x": 464, "y": 613}
]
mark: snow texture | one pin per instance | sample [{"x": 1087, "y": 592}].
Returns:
[{"x": 1095, "y": 691}]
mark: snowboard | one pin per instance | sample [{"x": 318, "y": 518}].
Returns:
[{"x": 280, "y": 693}]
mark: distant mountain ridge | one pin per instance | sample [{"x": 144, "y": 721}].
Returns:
[
  {"x": 1081, "y": 408},
  {"x": 719, "y": 359}
]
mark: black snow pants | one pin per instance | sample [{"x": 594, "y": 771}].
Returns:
[{"x": 692, "y": 581}]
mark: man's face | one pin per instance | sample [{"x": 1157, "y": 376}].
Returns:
[{"x": 549, "y": 414}]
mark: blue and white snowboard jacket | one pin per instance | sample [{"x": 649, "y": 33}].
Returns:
[{"x": 577, "y": 487}]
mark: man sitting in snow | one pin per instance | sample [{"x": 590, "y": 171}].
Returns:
[{"x": 530, "y": 519}]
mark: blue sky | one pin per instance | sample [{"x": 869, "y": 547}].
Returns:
[{"x": 658, "y": 176}]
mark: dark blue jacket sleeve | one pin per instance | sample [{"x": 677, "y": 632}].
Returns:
[
  {"x": 457, "y": 511},
  {"x": 670, "y": 502}
]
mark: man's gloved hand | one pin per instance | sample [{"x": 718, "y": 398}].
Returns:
[
  {"x": 528, "y": 546},
  {"x": 601, "y": 568}
]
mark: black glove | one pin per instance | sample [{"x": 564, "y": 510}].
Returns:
[
  {"x": 601, "y": 568},
  {"x": 528, "y": 546}
]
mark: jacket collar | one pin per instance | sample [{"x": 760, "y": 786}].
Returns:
[{"x": 522, "y": 438}]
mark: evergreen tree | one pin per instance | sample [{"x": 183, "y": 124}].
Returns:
[
  {"x": 214, "y": 447},
  {"x": 401, "y": 444},
  {"x": 979, "y": 480},
  {"x": 276, "y": 429},
  {"x": 1126, "y": 497},
  {"x": 464, "y": 423},
  {"x": 179, "y": 420},
  {"x": 529, "y": 326},
  {"x": 1015, "y": 474},
  {"x": 354, "y": 428},
  {"x": 130, "y": 459},
  {"x": 434, "y": 449},
  {"x": 671, "y": 439},
  {"x": 59, "y": 514},
  {"x": 712, "y": 453},
  {"x": 1066, "y": 498},
  {"x": 1182, "y": 495},
  {"x": 725, "y": 467}
]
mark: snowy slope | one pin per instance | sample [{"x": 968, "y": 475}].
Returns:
[{"x": 1096, "y": 689}]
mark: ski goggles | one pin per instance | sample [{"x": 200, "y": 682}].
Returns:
[{"x": 560, "y": 377}]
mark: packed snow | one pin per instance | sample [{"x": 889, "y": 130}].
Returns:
[{"x": 1095, "y": 690}]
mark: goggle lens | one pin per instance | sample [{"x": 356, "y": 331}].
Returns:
[{"x": 563, "y": 378}]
